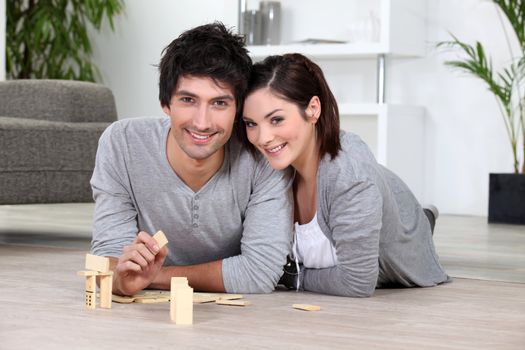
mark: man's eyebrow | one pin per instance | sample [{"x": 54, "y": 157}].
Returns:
[
  {"x": 224, "y": 97},
  {"x": 185, "y": 93}
]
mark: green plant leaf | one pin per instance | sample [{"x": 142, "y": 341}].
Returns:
[{"x": 49, "y": 38}]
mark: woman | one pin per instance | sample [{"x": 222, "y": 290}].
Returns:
[{"x": 358, "y": 226}]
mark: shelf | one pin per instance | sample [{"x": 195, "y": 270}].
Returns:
[
  {"x": 359, "y": 109},
  {"x": 374, "y": 109},
  {"x": 327, "y": 51}
]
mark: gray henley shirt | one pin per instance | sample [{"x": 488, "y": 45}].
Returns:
[{"x": 242, "y": 215}]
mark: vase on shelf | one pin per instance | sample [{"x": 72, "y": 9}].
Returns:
[{"x": 271, "y": 22}]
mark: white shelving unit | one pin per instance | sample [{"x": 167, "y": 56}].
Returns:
[
  {"x": 395, "y": 133},
  {"x": 321, "y": 51}
]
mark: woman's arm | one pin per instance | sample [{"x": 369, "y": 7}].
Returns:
[{"x": 355, "y": 221}]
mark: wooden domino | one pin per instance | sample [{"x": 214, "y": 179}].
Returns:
[
  {"x": 232, "y": 302},
  {"x": 151, "y": 300},
  {"x": 106, "y": 288},
  {"x": 161, "y": 239},
  {"x": 306, "y": 307},
  {"x": 90, "y": 301},
  {"x": 97, "y": 263},
  {"x": 181, "y": 301}
]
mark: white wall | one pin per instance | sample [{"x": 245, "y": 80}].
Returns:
[
  {"x": 127, "y": 57},
  {"x": 2, "y": 39},
  {"x": 465, "y": 136}
]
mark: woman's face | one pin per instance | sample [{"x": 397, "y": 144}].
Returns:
[{"x": 277, "y": 128}]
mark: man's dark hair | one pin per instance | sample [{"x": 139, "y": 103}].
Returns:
[{"x": 210, "y": 50}]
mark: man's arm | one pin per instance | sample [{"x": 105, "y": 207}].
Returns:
[
  {"x": 201, "y": 277},
  {"x": 115, "y": 216},
  {"x": 140, "y": 266}
]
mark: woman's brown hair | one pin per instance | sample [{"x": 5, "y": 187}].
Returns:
[{"x": 297, "y": 79}]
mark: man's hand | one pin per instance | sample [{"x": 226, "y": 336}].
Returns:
[{"x": 138, "y": 265}]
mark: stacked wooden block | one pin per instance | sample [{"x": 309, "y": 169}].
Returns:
[{"x": 97, "y": 266}]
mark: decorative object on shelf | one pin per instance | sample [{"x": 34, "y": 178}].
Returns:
[
  {"x": 313, "y": 41},
  {"x": 252, "y": 27},
  {"x": 271, "y": 22},
  {"x": 49, "y": 39},
  {"x": 506, "y": 202}
]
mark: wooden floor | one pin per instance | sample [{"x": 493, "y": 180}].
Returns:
[{"x": 41, "y": 298}]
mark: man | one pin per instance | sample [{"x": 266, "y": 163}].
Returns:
[{"x": 226, "y": 214}]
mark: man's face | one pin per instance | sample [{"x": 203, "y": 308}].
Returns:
[{"x": 202, "y": 115}]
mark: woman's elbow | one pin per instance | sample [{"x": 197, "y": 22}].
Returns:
[{"x": 361, "y": 289}]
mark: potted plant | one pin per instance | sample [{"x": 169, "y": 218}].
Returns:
[
  {"x": 507, "y": 190},
  {"x": 48, "y": 39}
]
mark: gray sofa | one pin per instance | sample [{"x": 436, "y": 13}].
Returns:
[{"x": 49, "y": 131}]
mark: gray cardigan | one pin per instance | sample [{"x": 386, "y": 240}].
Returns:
[{"x": 381, "y": 234}]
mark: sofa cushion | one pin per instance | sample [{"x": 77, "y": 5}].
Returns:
[
  {"x": 38, "y": 145},
  {"x": 57, "y": 100},
  {"x": 24, "y": 187}
]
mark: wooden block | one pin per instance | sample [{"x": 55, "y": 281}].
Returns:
[
  {"x": 161, "y": 239},
  {"x": 90, "y": 301},
  {"x": 109, "y": 273},
  {"x": 179, "y": 281},
  {"x": 200, "y": 298},
  {"x": 151, "y": 300},
  {"x": 97, "y": 263},
  {"x": 155, "y": 295},
  {"x": 106, "y": 287},
  {"x": 181, "y": 301},
  {"x": 138, "y": 297},
  {"x": 121, "y": 299},
  {"x": 91, "y": 284},
  {"x": 232, "y": 302},
  {"x": 306, "y": 307},
  {"x": 87, "y": 273},
  {"x": 229, "y": 296}
]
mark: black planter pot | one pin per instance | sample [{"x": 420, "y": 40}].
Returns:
[{"x": 507, "y": 198}]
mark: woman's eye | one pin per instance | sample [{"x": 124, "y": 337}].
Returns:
[
  {"x": 277, "y": 120},
  {"x": 249, "y": 124}
]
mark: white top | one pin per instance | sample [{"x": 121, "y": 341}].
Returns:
[{"x": 311, "y": 247}]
